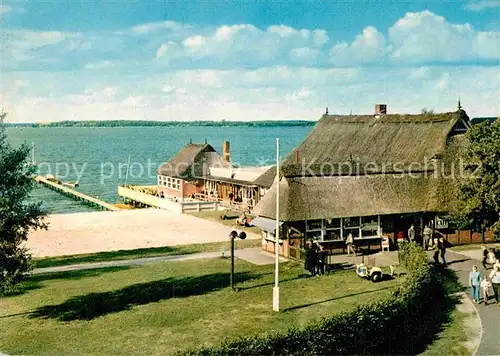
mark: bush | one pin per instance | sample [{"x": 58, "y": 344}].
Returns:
[{"x": 400, "y": 324}]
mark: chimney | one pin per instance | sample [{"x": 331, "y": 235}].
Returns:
[
  {"x": 380, "y": 109},
  {"x": 226, "y": 154}
]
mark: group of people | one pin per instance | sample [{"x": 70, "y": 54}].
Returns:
[
  {"x": 315, "y": 259},
  {"x": 478, "y": 283}
]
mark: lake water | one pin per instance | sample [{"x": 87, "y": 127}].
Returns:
[{"x": 100, "y": 156}]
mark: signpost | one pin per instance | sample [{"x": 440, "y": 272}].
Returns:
[
  {"x": 276, "y": 289},
  {"x": 233, "y": 234}
]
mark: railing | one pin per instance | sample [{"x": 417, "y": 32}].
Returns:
[
  {"x": 242, "y": 207},
  {"x": 141, "y": 195}
]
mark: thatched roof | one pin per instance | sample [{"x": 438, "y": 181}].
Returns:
[
  {"x": 308, "y": 198},
  {"x": 192, "y": 161},
  {"x": 390, "y": 139},
  {"x": 367, "y": 165}
]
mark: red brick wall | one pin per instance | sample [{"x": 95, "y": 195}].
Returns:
[
  {"x": 189, "y": 188},
  {"x": 170, "y": 192}
]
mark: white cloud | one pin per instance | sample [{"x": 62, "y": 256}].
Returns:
[
  {"x": 369, "y": 46},
  {"x": 136, "y": 101},
  {"x": 482, "y": 5},
  {"x": 244, "y": 43},
  {"x": 99, "y": 65},
  {"x": 170, "y": 89},
  {"x": 299, "y": 95},
  {"x": 148, "y": 28},
  {"x": 420, "y": 73},
  {"x": 21, "y": 83},
  {"x": 166, "y": 48},
  {"x": 424, "y": 36}
]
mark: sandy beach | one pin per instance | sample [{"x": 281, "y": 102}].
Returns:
[{"x": 124, "y": 230}]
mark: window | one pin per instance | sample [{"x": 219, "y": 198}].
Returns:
[
  {"x": 354, "y": 232},
  {"x": 313, "y": 225},
  {"x": 351, "y": 222},
  {"x": 331, "y": 235},
  {"x": 332, "y": 223},
  {"x": 315, "y": 235},
  {"x": 369, "y": 220},
  {"x": 333, "y": 229}
]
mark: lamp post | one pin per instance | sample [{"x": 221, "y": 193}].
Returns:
[
  {"x": 276, "y": 289},
  {"x": 233, "y": 234}
]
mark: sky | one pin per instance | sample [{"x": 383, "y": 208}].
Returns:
[{"x": 246, "y": 60}]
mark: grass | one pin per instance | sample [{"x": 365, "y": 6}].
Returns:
[
  {"x": 451, "y": 341},
  {"x": 454, "y": 335},
  {"x": 163, "y": 308},
  {"x": 215, "y": 216},
  {"x": 475, "y": 246},
  {"x": 141, "y": 253}
]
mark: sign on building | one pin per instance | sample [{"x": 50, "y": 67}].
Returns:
[{"x": 441, "y": 223}]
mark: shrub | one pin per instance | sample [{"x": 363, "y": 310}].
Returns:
[{"x": 402, "y": 323}]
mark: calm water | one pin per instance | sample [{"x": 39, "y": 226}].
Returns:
[{"x": 100, "y": 156}]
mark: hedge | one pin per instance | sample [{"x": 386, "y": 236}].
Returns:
[{"x": 401, "y": 323}]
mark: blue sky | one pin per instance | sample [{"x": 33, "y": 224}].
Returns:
[{"x": 246, "y": 60}]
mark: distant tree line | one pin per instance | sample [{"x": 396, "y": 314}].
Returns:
[{"x": 223, "y": 123}]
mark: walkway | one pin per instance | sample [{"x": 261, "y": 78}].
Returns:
[
  {"x": 251, "y": 255},
  {"x": 490, "y": 314}
]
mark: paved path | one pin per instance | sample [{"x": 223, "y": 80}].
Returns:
[
  {"x": 252, "y": 255},
  {"x": 489, "y": 314}
]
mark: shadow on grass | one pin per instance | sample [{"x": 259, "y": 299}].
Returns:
[
  {"x": 331, "y": 267},
  {"x": 430, "y": 327},
  {"x": 105, "y": 256},
  {"x": 337, "y": 298},
  {"x": 34, "y": 282},
  {"x": 90, "y": 306}
]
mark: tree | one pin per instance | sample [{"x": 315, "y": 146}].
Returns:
[
  {"x": 18, "y": 216},
  {"x": 426, "y": 111},
  {"x": 479, "y": 193}
]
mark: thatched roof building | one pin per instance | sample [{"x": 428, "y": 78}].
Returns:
[
  {"x": 192, "y": 161},
  {"x": 366, "y": 165}
]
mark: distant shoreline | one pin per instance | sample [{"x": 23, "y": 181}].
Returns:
[{"x": 139, "y": 123}]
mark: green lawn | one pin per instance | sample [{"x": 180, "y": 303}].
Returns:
[
  {"x": 452, "y": 339},
  {"x": 215, "y": 216},
  {"x": 474, "y": 246},
  {"x": 141, "y": 253},
  {"x": 162, "y": 308}
]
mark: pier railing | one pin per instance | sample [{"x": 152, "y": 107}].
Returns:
[{"x": 75, "y": 194}]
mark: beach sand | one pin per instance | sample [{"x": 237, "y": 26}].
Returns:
[{"x": 91, "y": 232}]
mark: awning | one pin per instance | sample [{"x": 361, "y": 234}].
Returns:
[{"x": 266, "y": 224}]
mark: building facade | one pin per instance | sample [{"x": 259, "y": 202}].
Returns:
[{"x": 372, "y": 176}]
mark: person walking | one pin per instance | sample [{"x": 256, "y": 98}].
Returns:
[
  {"x": 349, "y": 241},
  {"x": 320, "y": 268},
  {"x": 411, "y": 233},
  {"x": 435, "y": 246},
  {"x": 485, "y": 256},
  {"x": 485, "y": 287},
  {"x": 442, "y": 249},
  {"x": 427, "y": 236},
  {"x": 475, "y": 283},
  {"x": 495, "y": 283},
  {"x": 312, "y": 259}
]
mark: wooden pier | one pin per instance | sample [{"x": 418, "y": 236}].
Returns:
[{"x": 75, "y": 194}]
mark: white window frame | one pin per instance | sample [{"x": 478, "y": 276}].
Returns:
[{"x": 343, "y": 230}]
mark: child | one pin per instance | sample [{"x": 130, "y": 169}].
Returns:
[{"x": 485, "y": 286}]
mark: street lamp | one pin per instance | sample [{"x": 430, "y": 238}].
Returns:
[{"x": 233, "y": 234}]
